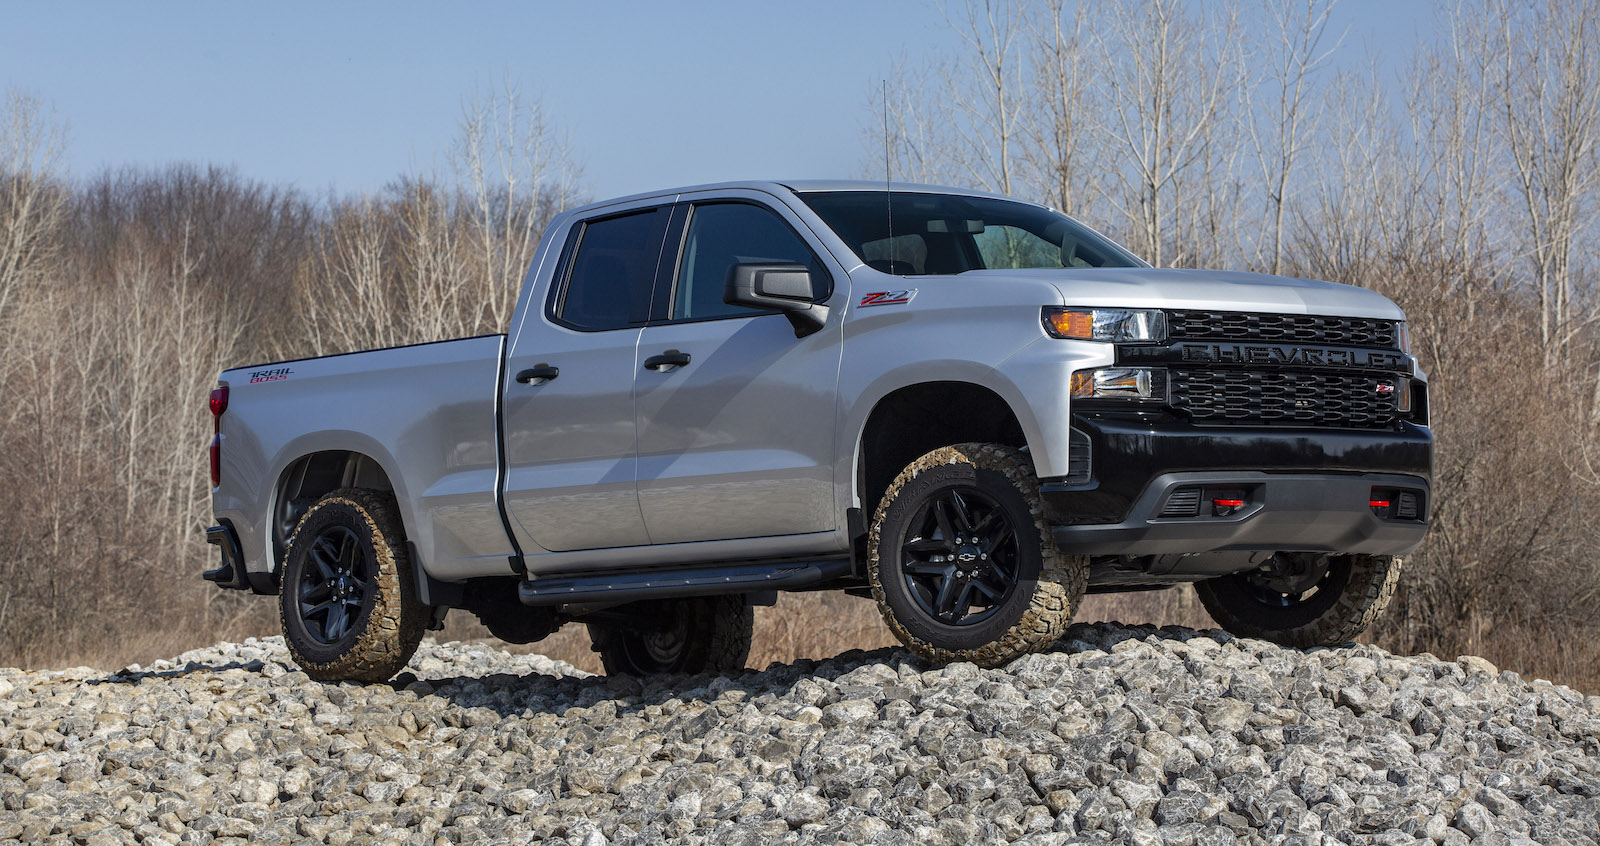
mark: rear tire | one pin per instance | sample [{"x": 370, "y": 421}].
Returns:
[
  {"x": 1331, "y": 606},
  {"x": 348, "y": 603},
  {"x": 963, "y": 564},
  {"x": 700, "y": 635}
]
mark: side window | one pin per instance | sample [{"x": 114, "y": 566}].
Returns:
[
  {"x": 722, "y": 235},
  {"x": 613, "y": 272}
]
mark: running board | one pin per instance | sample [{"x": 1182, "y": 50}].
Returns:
[{"x": 630, "y": 586}]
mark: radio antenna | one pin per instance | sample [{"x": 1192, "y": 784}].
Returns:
[{"x": 888, "y": 192}]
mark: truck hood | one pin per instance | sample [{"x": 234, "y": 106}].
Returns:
[{"x": 1219, "y": 290}]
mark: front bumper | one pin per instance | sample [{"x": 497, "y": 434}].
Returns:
[{"x": 1302, "y": 489}]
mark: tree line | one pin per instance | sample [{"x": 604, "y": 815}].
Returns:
[{"x": 124, "y": 294}]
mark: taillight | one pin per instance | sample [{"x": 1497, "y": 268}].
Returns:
[{"x": 219, "y": 404}]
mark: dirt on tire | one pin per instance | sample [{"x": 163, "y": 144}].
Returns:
[
  {"x": 1363, "y": 596},
  {"x": 1062, "y": 582},
  {"x": 389, "y": 633}
]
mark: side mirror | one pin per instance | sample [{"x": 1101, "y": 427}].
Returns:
[{"x": 777, "y": 287}]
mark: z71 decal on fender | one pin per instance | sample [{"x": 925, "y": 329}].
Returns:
[{"x": 888, "y": 298}]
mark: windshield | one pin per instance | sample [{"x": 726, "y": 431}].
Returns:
[{"x": 949, "y": 233}]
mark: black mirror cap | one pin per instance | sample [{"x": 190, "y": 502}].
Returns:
[{"x": 778, "y": 287}]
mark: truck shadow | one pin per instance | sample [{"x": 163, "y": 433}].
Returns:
[
  {"x": 513, "y": 695},
  {"x": 476, "y": 699}
]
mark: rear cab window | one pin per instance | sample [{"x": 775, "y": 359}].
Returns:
[{"x": 610, "y": 274}]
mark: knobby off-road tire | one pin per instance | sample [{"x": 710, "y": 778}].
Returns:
[
  {"x": 349, "y": 548},
  {"x": 1027, "y": 587},
  {"x": 700, "y": 635},
  {"x": 1354, "y": 592}
]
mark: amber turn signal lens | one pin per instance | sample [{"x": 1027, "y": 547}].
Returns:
[{"x": 1070, "y": 324}]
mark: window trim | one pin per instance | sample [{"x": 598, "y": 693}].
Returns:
[
  {"x": 669, "y": 280},
  {"x": 569, "y": 259}
]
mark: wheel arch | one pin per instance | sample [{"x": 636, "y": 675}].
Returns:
[
  {"x": 914, "y": 419},
  {"x": 306, "y": 474}
]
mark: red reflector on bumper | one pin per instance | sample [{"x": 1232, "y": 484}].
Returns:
[
  {"x": 1227, "y": 503},
  {"x": 1379, "y": 503}
]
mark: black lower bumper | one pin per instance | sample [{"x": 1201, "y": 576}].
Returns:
[{"x": 1307, "y": 490}]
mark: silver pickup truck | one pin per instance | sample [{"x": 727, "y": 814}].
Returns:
[{"x": 972, "y": 409}]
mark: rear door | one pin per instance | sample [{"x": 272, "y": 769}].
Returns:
[
  {"x": 738, "y": 441},
  {"x": 571, "y": 467}
]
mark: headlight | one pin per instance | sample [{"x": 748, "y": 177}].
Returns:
[
  {"x": 1118, "y": 325},
  {"x": 1139, "y": 384},
  {"x": 1402, "y": 336}
]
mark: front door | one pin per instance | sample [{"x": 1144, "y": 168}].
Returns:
[
  {"x": 736, "y": 439},
  {"x": 571, "y": 468}
]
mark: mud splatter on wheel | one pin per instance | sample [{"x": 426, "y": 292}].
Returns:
[
  {"x": 1304, "y": 599},
  {"x": 347, "y": 603},
  {"x": 964, "y": 566}
]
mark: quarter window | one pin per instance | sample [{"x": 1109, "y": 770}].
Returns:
[{"x": 722, "y": 235}]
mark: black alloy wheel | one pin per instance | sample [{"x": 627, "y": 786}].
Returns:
[
  {"x": 1303, "y": 599},
  {"x": 348, "y": 605},
  {"x": 962, "y": 563},
  {"x": 960, "y": 557},
  {"x": 658, "y": 650},
  {"x": 335, "y": 589},
  {"x": 660, "y": 637}
]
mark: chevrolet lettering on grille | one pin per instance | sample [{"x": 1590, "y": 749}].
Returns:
[{"x": 1290, "y": 356}]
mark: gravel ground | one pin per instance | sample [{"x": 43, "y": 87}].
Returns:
[{"x": 1127, "y": 734}]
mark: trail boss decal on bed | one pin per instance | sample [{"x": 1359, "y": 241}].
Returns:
[
  {"x": 879, "y": 298},
  {"x": 275, "y": 374}
]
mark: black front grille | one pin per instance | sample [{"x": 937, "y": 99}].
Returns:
[
  {"x": 1285, "y": 398},
  {"x": 1187, "y": 325}
]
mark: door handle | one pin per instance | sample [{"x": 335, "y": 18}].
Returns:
[
  {"x": 538, "y": 374},
  {"x": 667, "y": 361}
]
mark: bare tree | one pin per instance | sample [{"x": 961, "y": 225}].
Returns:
[
  {"x": 908, "y": 119},
  {"x": 1545, "y": 66},
  {"x": 518, "y": 171},
  {"x": 1280, "y": 128},
  {"x": 32, "y": 202},
  {"x": 984, "y": 84},
  {"x": 1064, "y": 142},
  {"x": 1166, "y": 78}
]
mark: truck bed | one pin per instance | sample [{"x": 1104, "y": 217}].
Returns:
[{"x": 426, "y": 413}]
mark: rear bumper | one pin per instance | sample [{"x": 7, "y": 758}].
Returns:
[
  {"x": 231, "y": 573},
  {"x": 1303, "y": 490}
]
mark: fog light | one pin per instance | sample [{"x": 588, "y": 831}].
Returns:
[{"x": 1139, "y": 384}]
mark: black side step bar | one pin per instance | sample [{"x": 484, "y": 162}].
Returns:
[{"x": 629, "y": 586}]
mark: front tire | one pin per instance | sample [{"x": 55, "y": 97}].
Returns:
[
  {"x": 1304, "y": 600},
  {"x": 701, "y": 635},
  {"x": 962, "y": 563},
  {"x": 347, "y": 604}
]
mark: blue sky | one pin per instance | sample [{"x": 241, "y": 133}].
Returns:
[{"x": 347, "y": 96}]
